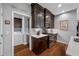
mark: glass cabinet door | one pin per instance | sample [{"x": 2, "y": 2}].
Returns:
[{"x": 39, "y": 21}]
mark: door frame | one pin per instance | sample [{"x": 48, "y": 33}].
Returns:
[
  {"x": 1, "y": 10},
  {"x": 24, "y": 14}
]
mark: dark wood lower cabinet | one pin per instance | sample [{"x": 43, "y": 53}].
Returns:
[{"x": 39, "y": 44}]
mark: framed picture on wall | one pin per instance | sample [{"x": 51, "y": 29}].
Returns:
[
  {"x": 7, "y": 21},
  {"x": 64, "y": 25}
]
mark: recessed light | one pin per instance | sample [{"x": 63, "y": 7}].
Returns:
[
  {"x": 59, "y": 5},
  {"x": 63, "y": 11}
]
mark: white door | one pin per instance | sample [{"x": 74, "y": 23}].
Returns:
[{"x": 1, "y": 32}]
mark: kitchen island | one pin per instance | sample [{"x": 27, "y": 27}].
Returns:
[{"x": 39, "y": 43}]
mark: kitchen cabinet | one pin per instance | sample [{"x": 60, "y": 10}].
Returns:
[
  {"x": 52, "y": 40},
  {"x": 39, "y": 44},
  {"x": 37, "y": 15},
  {"x": 41, "y": 17},
  {"x": 49, "y": 19}
]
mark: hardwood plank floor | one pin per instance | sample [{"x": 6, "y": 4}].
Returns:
[
  {"x": 22, "y": 50},
  {"x": 59, "y": 49}
]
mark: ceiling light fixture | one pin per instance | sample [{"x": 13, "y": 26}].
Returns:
[{"x": 59, "y": 5}]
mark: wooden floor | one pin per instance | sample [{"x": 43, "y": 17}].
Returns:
[{"x": 59, "y": 49}]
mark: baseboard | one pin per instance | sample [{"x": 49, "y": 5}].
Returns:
[
  {"x": 25, "y": 43},
  {"x": 62, "y": 41}
]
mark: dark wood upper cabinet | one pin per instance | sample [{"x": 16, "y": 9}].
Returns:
[
  {"x": 49, "y": 19},
  {"x": 41, "y": 17},
  {"x": 37, "y": 15}
]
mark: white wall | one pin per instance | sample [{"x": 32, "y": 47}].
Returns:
[
  {"x": 71, "y": 16},
  {"x": 26, "y": 30},
  {"x": 7, "y": 14},
  {"x": 1, "y": 31},
  {"x": 18, "y": 38}
]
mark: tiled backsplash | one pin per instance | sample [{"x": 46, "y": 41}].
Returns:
[{"x": 35, "y": 30}]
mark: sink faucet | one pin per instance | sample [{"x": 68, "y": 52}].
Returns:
[{"x": 38, "y": 33}]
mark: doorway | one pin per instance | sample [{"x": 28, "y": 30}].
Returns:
[{"x": 20, "y": 32}]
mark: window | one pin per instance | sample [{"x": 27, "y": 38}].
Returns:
[{"x": 17, "y": 24}]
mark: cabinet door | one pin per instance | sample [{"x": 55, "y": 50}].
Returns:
[
  {"x": 52, "y": 21},
  {"x": 43, "y": 43},
  {"x": 37, "y": 16},
  {"x": 39, "y": 44},
  {"x": 49, "y": 19},
  {"x": 39, "y": 21},
  {"x": 35, "y": 45}
]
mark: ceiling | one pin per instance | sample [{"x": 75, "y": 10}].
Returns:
[{"x": 53, "y": 7}]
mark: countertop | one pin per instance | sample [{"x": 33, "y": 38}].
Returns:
[{"x": 39, "y": 36}]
